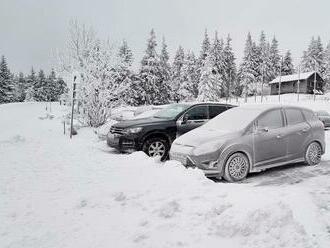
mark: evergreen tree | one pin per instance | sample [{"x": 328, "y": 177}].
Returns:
[
  {"x": 327, "y": 67},
  {"x": 152, "y": 83},
  {"x": 205, "y": 48},
  {"x": 125, "y": 54},
  {"x": 313, "y": 57},
  {"x": 40, "y": 87},
  {"x": 248, "y": 71},
  {"x": 20, "y": 87},
  {"x": 265, "y": 66},
  {"x": 6, "y": 82},
  {"x": 30, "y": 82},
  {"x": 211, "y": 85},
  {"x": 165, "y": 70},
  {"x": 275, "y": 59},
  {"x": 287, "y": 65},
  {"x": 188, "y": 89},
  {"x": 177, "y": 76},
  {"x": 229, "y": 73}
]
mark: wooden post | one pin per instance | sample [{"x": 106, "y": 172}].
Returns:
[
  {"x": 298, "y": 88},
  {"x": 279, "y": 84},
  {"x": 73, "y": 96}
]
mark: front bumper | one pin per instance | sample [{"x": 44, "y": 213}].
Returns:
[
  {"x": 190, "y": 161},
  {"x": 122, "y": 142}
]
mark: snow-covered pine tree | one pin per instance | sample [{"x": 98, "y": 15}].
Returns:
[
  {"x": 287, "y": 65},
  {"x": 165, "y": 70},
  {"x": 248, "y": 71},
  {"x": 229, "y": 72},
  {"x": 177, "y": 74},
  {"x": 20, "y": 87},
  {"x": 265, "y": 66},
  {"x": 275, "y": 59},
  {"x": 6, "y": 82},
  {"x": 31, "y": 80},
  {"x": 189, "y": 86},
  {"x": 327, "y": 67},
  {"x": 206, "y": 44},
  {"x": 211, "y": 82},
  {"x": 150, "y": 74},
  {"x": 124, "y": 75},
  {"x": 313, "y": 57},
  {"x": 40, "y": 87}
]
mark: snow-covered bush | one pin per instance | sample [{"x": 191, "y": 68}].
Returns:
[{"x": 97, "y": 66}]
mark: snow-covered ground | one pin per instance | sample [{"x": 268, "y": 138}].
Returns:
[{"x": 57, "y": 192}]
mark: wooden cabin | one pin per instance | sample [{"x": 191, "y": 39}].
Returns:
[{"x": 305, "y": 82}]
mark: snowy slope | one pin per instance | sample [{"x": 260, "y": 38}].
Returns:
[{"x": 57, "y": 192}]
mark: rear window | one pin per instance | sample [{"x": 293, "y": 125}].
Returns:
[
  {"x": 294, "y": 116},
  {"x": 214, "y": 110}
]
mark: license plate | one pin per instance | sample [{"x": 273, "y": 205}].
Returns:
[{"x": 113, "y": 138}]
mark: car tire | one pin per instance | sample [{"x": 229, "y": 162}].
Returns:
[
  {"x": 236, "y": 168},
  {"x": 156, "y": 147},
  {"x": 313, "y": 154}
]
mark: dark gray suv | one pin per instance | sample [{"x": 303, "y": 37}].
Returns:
[
  {"x": 251, "y": 139},
  {"x": 154, "y": 135}
]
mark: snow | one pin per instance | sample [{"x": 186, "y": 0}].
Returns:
[{"x": 57, "y": 192}]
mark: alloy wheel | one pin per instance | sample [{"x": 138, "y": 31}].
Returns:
[
  {"x": 238, "y": 167},
  {"x": 156, "y": 148},
  {"x": 314, "y": 153}
]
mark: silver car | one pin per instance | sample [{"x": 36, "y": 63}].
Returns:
[{"x": 251, "y": 139}]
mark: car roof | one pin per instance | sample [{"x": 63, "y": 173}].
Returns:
[
  {"x": 264, "y": 107},
  {"x": 217, "y": 103}
]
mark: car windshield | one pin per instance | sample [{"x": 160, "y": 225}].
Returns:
[
  {"x": 234, "y": 119},
  {"x": 322, "y": 113},
  {"x": 171, "y": 111}
]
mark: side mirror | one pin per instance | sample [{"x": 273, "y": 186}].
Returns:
[{"x": 185, "y": 118}]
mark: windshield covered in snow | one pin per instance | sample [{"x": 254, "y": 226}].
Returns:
[
  {"x": 171, "y": 111},
  {"x": 234, "y": 119}
]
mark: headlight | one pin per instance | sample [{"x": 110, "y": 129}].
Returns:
[
  {"x": 133, "y": 130},
  {"x": 209, "y": 147}
]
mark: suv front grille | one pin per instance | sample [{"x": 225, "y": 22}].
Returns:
[{"x": 117, "y": 130}]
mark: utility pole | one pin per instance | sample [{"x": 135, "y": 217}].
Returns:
[
  {"x": 298, "y": 88},
  {"x": 262, "y": 81},
  {"x": 314, "y": 91},
  {"x": 73, "y": 98},
  {"x": 279, "y": 84}
]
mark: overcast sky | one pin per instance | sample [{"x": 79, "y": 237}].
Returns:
[{"x": 31, "y": 30}]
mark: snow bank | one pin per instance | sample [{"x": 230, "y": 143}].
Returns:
[{"x": 57, "y": 192}]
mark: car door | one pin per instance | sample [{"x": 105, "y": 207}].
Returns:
[
  {"x": 192, "y": 118},
  {"x": 269, "y": 142},
  {"x": 298, "y": 133}
]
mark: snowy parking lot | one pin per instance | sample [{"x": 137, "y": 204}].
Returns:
[{"x": 57, "y": 192}]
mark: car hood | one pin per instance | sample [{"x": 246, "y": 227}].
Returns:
[
  {"x": 141, "y": 122},
  {"x": 202, "y": 135}
]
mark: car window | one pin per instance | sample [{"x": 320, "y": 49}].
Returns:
[
  {"x": 309, "y": 115},
  {"x": 214, "y": 110},
  {"x": 197, "y": 113},
  {"x": 272, "y": 119},
  {"x": 294, "y": 116}
]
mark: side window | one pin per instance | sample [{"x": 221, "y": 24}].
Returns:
[
  {"x": 214, "y": 110},
  {"x": 309, "y": 115},
  {"x": 197, "y": 113},
  {"x": 272, "y": 119},
  {"x": 294, "y": 116}
]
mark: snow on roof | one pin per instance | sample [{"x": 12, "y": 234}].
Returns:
[{"x": 293, "y": 77}]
